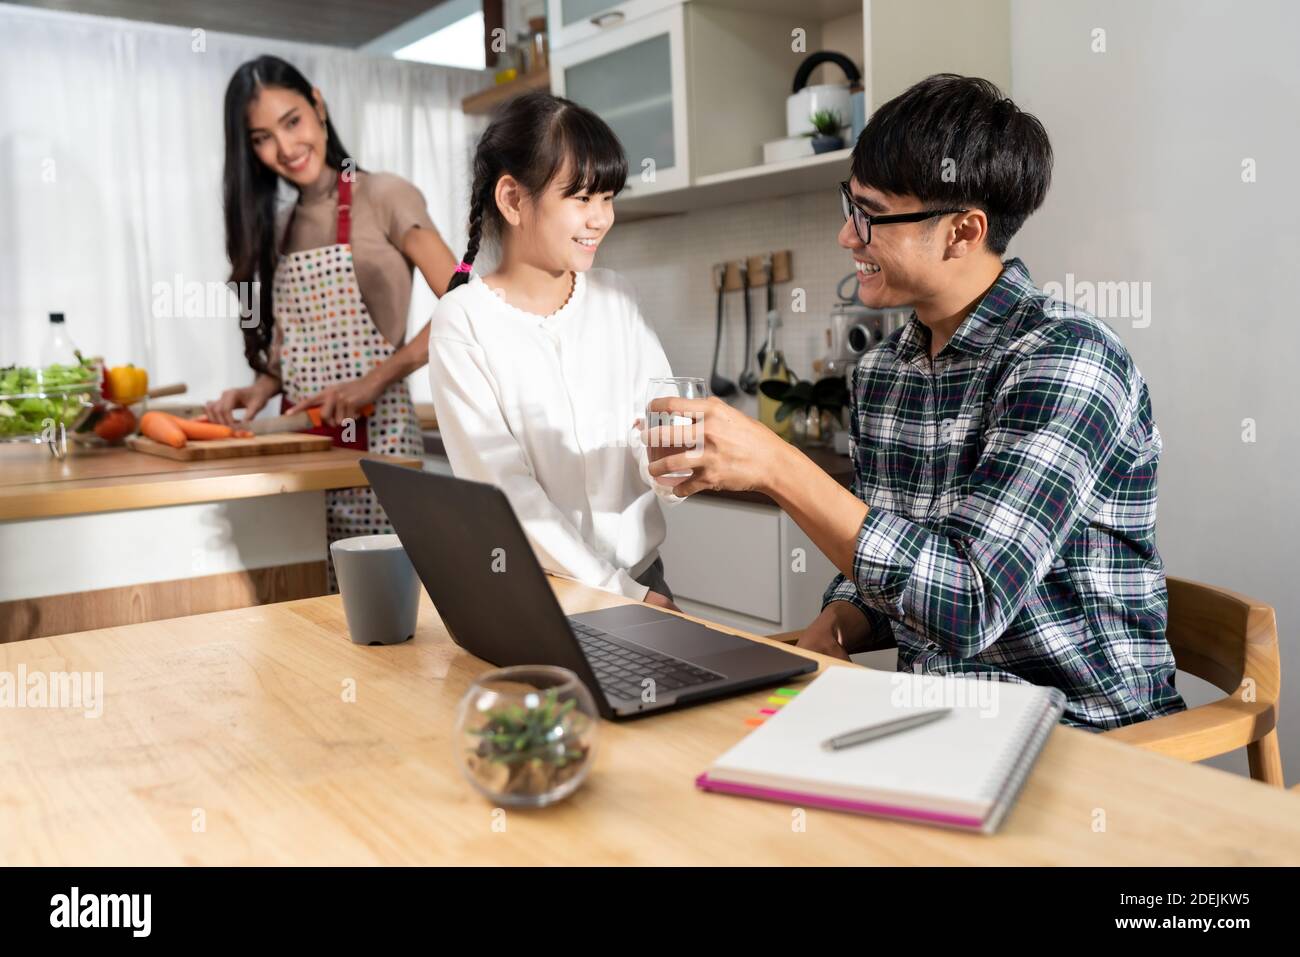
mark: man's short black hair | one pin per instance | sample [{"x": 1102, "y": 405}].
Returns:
[{"x": 957, "y": 141}]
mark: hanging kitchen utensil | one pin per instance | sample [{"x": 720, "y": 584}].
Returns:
[
  {"x": 771, "y": 308},
  {"x": 717, "y": 384},
  {"x": 748, "y": 380}
]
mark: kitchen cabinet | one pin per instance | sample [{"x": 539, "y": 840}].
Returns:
[
  {"x": 743, "y": 565},
  {"x": 694, "y": 88},
  {"x": 572, "y": 21},
  {"x": 635, "y": 79}
]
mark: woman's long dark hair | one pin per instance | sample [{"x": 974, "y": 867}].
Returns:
[
  {"x": 530, "y": 139},
  {"x": 249, "y": 188}
]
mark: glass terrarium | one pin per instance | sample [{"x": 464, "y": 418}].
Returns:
[{"x": 526, "y": 735}]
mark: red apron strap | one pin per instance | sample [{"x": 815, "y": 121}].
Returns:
[{"x": 345, "y": 209}]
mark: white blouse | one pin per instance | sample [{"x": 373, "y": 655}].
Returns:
[{"x": 543, "y": 407}]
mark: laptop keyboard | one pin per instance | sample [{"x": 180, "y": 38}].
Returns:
[{"x": 620, "y": 670}]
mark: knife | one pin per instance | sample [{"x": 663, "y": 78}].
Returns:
[{"x": 298, "y": 422}]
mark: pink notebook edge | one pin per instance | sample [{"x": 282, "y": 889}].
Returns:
[{"x": 705, "y": 783}]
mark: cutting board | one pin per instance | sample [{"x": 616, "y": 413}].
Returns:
[{"x": 199, "y": 450}]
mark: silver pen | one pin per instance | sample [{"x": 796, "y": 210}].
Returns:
[{"x": 849, "y": 738}]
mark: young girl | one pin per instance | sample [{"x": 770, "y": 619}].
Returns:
[{"x": 540, "y": 368}]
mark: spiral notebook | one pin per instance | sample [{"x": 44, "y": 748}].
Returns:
[{"x": 962, "y": 771}]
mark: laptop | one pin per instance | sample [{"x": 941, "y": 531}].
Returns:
[{"x": 475, "y": 561}]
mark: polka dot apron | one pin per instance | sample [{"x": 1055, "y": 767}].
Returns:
[{"x": 329, "y": 338}]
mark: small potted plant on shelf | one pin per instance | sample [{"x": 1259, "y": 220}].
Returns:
[
  {"x": 817, "y": 407},
  {"x": 826, "y": 137}
]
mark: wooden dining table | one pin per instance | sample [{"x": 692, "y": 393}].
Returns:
[{"x": 265, "y": 736}]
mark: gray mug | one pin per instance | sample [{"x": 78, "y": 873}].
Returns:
[{"x": 381, "y": 593}]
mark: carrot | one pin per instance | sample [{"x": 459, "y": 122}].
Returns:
[
  {"x": 162, "y": 428},
  {"x": 202, "y": 430},
  {"x": 243, "y": 434}
]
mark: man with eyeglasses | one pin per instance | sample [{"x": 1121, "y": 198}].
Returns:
[{"x": 1002, "y": 517}]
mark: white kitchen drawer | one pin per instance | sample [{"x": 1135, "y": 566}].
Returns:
[{"x": 727, "y": 554}]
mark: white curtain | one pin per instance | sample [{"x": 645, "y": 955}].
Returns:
[{"x": 111, "y": 141}]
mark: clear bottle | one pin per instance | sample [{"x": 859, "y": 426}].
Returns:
[
  {"x": 774, "y": 367},
  {"x": 57, "y": 349}
]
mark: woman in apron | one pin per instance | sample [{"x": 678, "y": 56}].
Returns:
[{"x": 327, "y": 322}]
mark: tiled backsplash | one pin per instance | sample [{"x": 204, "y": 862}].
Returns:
[{"x": 669, "y": 261}]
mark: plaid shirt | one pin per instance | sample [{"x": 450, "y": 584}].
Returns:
[{"x": 1012, "y": 494}]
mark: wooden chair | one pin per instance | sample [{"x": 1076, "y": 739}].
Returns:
[{"x": 1230, "y": 641}]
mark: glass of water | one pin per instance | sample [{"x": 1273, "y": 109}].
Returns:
[{"x": 686, "y": 387}]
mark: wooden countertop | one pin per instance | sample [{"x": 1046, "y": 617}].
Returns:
[
  {"x": 241, "y": 716},
  {"x": 36, "y": 485},
  {"x": 838, "y": 467}
]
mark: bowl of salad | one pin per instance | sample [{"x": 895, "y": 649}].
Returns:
[{"x": 44, "y": 404}]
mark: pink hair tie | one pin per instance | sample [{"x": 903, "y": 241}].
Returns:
[{"x": 464, "y": 267}]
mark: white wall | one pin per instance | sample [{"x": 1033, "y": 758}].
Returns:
[
  {"x": 1150, "y": 136},
  {"x": 668, "y": 260}
]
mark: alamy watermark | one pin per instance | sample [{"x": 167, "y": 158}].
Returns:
[
  {"x": 59, "y": 690},
  {"x": 975, "y": 691},
  {"x": 195, "y": 299},
  {"x": 1129, "y": 300},
  {"x": 75, "y": 909}
]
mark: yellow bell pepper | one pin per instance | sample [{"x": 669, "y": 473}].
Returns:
[{"x": 127, "y": 384}]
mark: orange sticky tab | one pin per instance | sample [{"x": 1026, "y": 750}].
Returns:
[{"x": 754, "y": 722}]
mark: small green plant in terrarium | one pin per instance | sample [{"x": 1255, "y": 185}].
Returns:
[{"x": 530, "y": 750}]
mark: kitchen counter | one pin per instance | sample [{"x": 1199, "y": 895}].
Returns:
[
  {"x": 110, "y": 536},
  {"x": 838, "y": 467},
  {"x": 237, "y": 720},
  {"x": 36, "y": 485}
]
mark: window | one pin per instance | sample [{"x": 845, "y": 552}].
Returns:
[{"x": 459, "y": 43}]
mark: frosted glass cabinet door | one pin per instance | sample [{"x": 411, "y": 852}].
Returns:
[
  {"x": 575, "y": 11},
  {"x": 633, "y": 81},
  {"x": 572, "y": 21}
]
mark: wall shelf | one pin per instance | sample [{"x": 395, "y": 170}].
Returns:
[
  {"x": 485, "y": 101},
  {"x": 766, "y": 181}
]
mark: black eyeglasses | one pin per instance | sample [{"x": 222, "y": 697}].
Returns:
[{"x": 863, "y": 220}]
